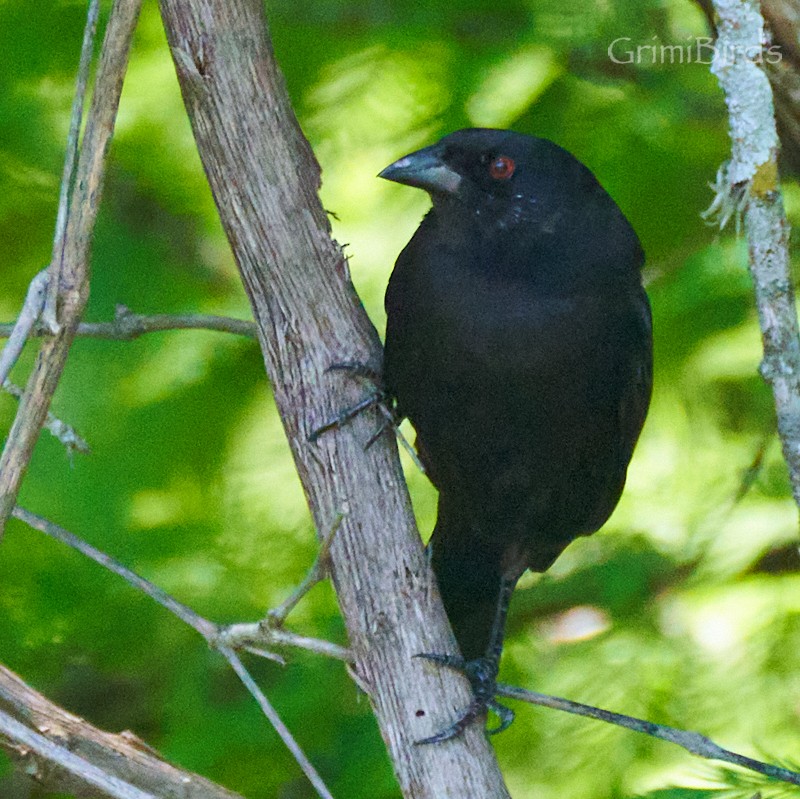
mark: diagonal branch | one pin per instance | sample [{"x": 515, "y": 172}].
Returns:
[
  {"x": 213, "y": 634},
  {"x": 692, "y": 742},
  {"x": 63, "y": 758},
  {"x": 317, "y": 573},
  {"x": 18, "y": 332},
  {"x": 65, "y": 433},
  {"x": 206, "y": 628},
  {"x": 265, "y": 179},
  {"x": 73, "y": 286},
  {"x": 275, "y": 720}
]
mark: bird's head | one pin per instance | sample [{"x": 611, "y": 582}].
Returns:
[
  {"x": 495, "y": 182},
  {"x": 505, "y": 177}
]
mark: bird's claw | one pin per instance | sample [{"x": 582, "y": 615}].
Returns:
[
  {"x": 341, "y": 419},
  {"x": 482, "y": 676},
  {"x": 474, "y": 710},
  {"x": 453, "y": 662},
  {"x": 377, "y": 398},
  {"x": 505, "y": 714}
]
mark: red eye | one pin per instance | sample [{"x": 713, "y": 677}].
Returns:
[{"x": 502, "y": 168}]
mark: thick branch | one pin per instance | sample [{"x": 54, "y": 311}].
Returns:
[
  {"x": 73, "y": 288},
  {"x": 31, "y": 742},
  {"x": 264, "y": 179},
  {"x": 54, "y": 747},
  {"x": 753, "y": 171}
]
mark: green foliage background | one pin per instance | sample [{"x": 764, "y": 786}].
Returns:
[{"x": 684, "y": 610}]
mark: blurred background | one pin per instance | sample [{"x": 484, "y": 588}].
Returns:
[{"x": 684, "y": 610}]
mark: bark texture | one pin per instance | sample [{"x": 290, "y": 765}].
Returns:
[{"x": 265, "y": 178}]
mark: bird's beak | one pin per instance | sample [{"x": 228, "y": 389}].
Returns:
[{"x": 425, "y": 170}]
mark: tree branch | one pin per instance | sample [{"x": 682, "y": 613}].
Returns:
[
  {"x": 67, "y": 754},
  {"x": 266, "y": 708},
  {"x": 50, "y": 310},
  {"x": 128, "y": 325},
  {"x": 237, "y": 636},
  {"x": 73, "y": 284},
  {"x": 66, "y": 760},
  {"x": 18, "y": 332},
  {"x": 212, "y": 632},
  {"x": 750, "y": 182},
  {"x": 264, "y": 179},
  {"x": 692, "y": 742},
  {"x": 254, "y": 635},
  {"x": 65, "y": 433},
  {"x": 316, "y": 574}
]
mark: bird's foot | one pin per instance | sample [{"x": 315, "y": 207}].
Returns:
[
  {"x": 482, "y": 676},
  {"x": 377, "y": 398},
  {"x": 343, "y": 417}
]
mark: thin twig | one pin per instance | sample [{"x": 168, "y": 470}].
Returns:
[
  {"x": 276, "y": 721},
  {"x": 213, "y": 634},
  {"x": 270, "y": 632},
  {"x": 63, "y": 758},
  {"x": 19, "y": 331},
  {"x": 65, "y": 433},
  {"x": 692, "y": 742},
  {"x": 234, "y": 635},
  {"x": 128, "y": 326},
  {"x": 404, "y": 442},
  {"x": 73, "y": 286},
  {"x": 206, "y": 628},
  {"x": 754, "y": 469},
  {"x": 261, "y": 653},
  {"x": 316, "y": 574},
  {"x": 50, "y": 311},
  {"x": 251, "y": 636},
  {"x": 317, "y": 645}
]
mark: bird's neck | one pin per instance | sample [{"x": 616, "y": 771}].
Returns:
[{"x": 548, "y": 258}]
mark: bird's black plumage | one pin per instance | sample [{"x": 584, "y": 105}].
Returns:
[{"x": 518, "y": 343}]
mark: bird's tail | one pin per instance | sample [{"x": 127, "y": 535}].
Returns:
[{"x": 469, "y": 573}]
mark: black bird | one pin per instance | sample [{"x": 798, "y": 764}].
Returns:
[{"x": 518, "y": 343}]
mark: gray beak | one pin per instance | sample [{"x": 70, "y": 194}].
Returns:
[{"x": 425, "y": 170}]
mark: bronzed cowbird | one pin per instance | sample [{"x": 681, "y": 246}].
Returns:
[{"x": 518, "y": 343}]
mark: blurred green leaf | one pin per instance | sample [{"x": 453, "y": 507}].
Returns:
[{"x": 673, "y": 612}]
